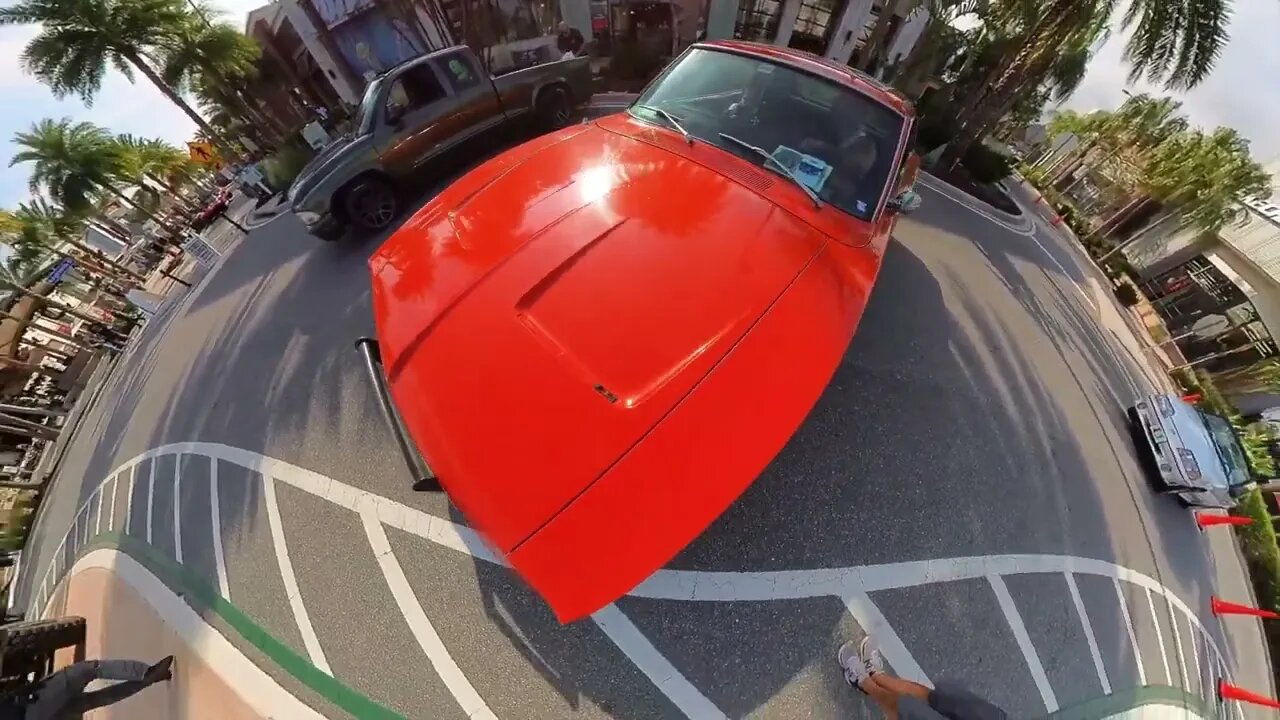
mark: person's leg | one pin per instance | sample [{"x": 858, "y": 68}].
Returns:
[
  {"x": 59, "y": 688},
  {"x": 122, "y": 670},
  {"x": 104, "y": 697},
  {"x": 882, "y": 695},
  {"x": 903, "y": 687}
]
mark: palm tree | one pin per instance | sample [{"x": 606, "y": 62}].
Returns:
[
  {"x": 155, "y": 160},
  {"x": 52, "y": 227},
  {"x": 1200, "y": 180},
  {"x": 938, "y": 43},
  {"x": 1174, "y": 42},
  {"x": 215, "y": 63},
  {"x": 74, "y": 164},
  {"x": 79, "y": 39}
]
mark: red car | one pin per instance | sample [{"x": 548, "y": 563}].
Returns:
[{"x": 598, "y": 339}]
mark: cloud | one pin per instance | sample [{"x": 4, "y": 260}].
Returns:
[{"x": 1241, "y": 92}]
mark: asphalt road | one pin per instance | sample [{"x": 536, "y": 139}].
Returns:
[{"x": 976, "y": 422}]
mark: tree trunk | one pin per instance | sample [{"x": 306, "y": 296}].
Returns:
[
  {"x": 175, "y": 98},
  {"x": 46, "y": 301},
  {"x": 1122, "y": 215},
  {"x": 999, "y": 103},
  {"x": 177, "y": 194},
  {"x": 867, "y": 53}
]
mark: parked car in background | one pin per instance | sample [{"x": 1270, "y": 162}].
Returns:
[
  {"x": 412, "y": 115},
  {"x": 600, "y": 338},
  {"x": 1194, "y": 454},
  {"x": 216, "y": 206}
]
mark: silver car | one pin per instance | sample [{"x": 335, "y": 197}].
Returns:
[{"x": 1195, "y": 454}]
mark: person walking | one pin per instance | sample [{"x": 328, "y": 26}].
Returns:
[
  {"x": 62, "y": 694},
  {"x": 863, "y": 667}
]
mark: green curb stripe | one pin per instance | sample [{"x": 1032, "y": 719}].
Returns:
[
  {"x": 197, "y": 592},
  {"x": 1132, "y": 699}
]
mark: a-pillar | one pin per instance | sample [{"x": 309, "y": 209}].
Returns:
[
  {"x": 721, "y": 17},
  {"x": 787, "y": 22},
  {"x": 577, "y": 13},
  {"x": 851, "y": 24}
]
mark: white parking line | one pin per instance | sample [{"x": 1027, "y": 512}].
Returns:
[
  {"x": 423, "y": 631},
  {"x": 177, "y": 508},
  {"x": 1088, "y": 633},
  {"x": 1195, "y": 655},
  {"x": 215, "y": 521},
  {"x": 128, "y": 499},
  {"x": 873, "y": 621},
  {"x": 1177, "y": 644},
  {"x": 151, "y": 497},
  {"x": 654, "y": 664},
  {"x": 850, "y": 584},
  {"x": 1014, "y": 619},
  {"x": 1133, "y": 637},
  {"x": 1164, "y": 657},
  {"x": 97, "y": 522},
  {"x": 115, "y": 490},
  {"x": 300, "y": 616}
]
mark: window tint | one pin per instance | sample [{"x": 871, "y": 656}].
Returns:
[
  {"x": 460, "y": 70},
  {"x": 414, "y": 88}
]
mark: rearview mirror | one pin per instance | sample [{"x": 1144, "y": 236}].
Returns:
[
  {"x": 907, "y": 202},
  {"x": 395, "y": 113}
]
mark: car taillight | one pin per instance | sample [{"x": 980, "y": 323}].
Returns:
[
  {"x": 1189, "y": 465},
  {"x": 1166, "y": 407}
]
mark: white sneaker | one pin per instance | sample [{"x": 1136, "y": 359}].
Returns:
[{"x": 859, "y": 660}]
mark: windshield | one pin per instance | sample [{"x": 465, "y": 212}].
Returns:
[
  {"x": 1229, "y": 451},
  {"x": 368, "y": 108},
  {"x": 838, "y": 142}
]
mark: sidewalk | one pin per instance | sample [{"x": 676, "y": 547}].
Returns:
[{"x": 131, "y": 614}]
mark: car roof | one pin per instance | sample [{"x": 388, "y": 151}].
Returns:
[{"x": 820, "y": 66}]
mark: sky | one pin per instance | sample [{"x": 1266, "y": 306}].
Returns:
[
  {"x": 119, "y": 106},
  {"x": 1243, "y": 91}
]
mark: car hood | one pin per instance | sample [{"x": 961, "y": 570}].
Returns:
[
  {"x": 330, "y": 157},
  {"x": 545, "y": 313}
]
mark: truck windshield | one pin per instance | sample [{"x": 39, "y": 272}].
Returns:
[
  {"x": 368, "y": 107},
  {"x": 1228, "y": 447},
  {"x": 839, "y": 142}
]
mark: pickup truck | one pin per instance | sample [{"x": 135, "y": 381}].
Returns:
[{"x": 411, "y": 115}]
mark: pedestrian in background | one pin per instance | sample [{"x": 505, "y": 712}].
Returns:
[
  {"x": 568, "y": 40},
  {"x": 863, "y": 667}
]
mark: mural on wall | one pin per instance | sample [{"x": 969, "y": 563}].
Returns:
[{"x": 372, "y": 42}]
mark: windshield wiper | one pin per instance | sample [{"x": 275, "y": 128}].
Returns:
[
  {"x": 778, "y": 166},
  {"x": 675, "y": 122}
]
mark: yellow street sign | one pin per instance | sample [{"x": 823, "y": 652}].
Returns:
[{"x": 202, "y": 152}]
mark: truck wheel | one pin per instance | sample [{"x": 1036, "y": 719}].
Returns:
[
  {"x": 553, "y": 109},
  {"x": 28, "y": 644},
  {"x": 371, "y": 203}
]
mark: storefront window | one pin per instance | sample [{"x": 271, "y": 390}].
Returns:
[
  {"x": 493, "y": 22},
  {"x": 814, "y": 24},
  {"x": 757, "y": 20}
]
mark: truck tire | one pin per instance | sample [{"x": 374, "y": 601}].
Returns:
[
  {"x": 554, "y": 109},
  {"x": 27, "y": 644},
  {"x": 370, "y": 203}
]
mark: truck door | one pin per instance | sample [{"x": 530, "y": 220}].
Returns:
[
  {"x": 479, "y": 108},
  {"x": 411, "y": 126}
]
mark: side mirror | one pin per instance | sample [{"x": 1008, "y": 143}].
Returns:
[
  {"x": 395, "y": 113},
  {"x": 1239, "y": 491},
  {"x": 905, "y": 203}
]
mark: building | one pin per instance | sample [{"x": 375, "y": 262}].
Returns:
[
  {"x": 1219, "y": 295},
  {"x": 333, "y": 47}
]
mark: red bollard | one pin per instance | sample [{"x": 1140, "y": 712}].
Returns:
[
  {"x": 1227, "y": 691},
  {"x": 1222, "y": 607},
  {"x": 1057, "y": 220},
  {"x": 1192, "y": 397},
  {"x": 1208, "y": 519}
]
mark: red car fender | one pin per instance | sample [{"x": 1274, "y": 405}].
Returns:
[{"x": 638, "y": 515}]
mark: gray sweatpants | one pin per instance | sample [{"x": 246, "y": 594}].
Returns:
[
  {"x": 949, "y": 701},
  {"x": 62, "y": 693}
]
